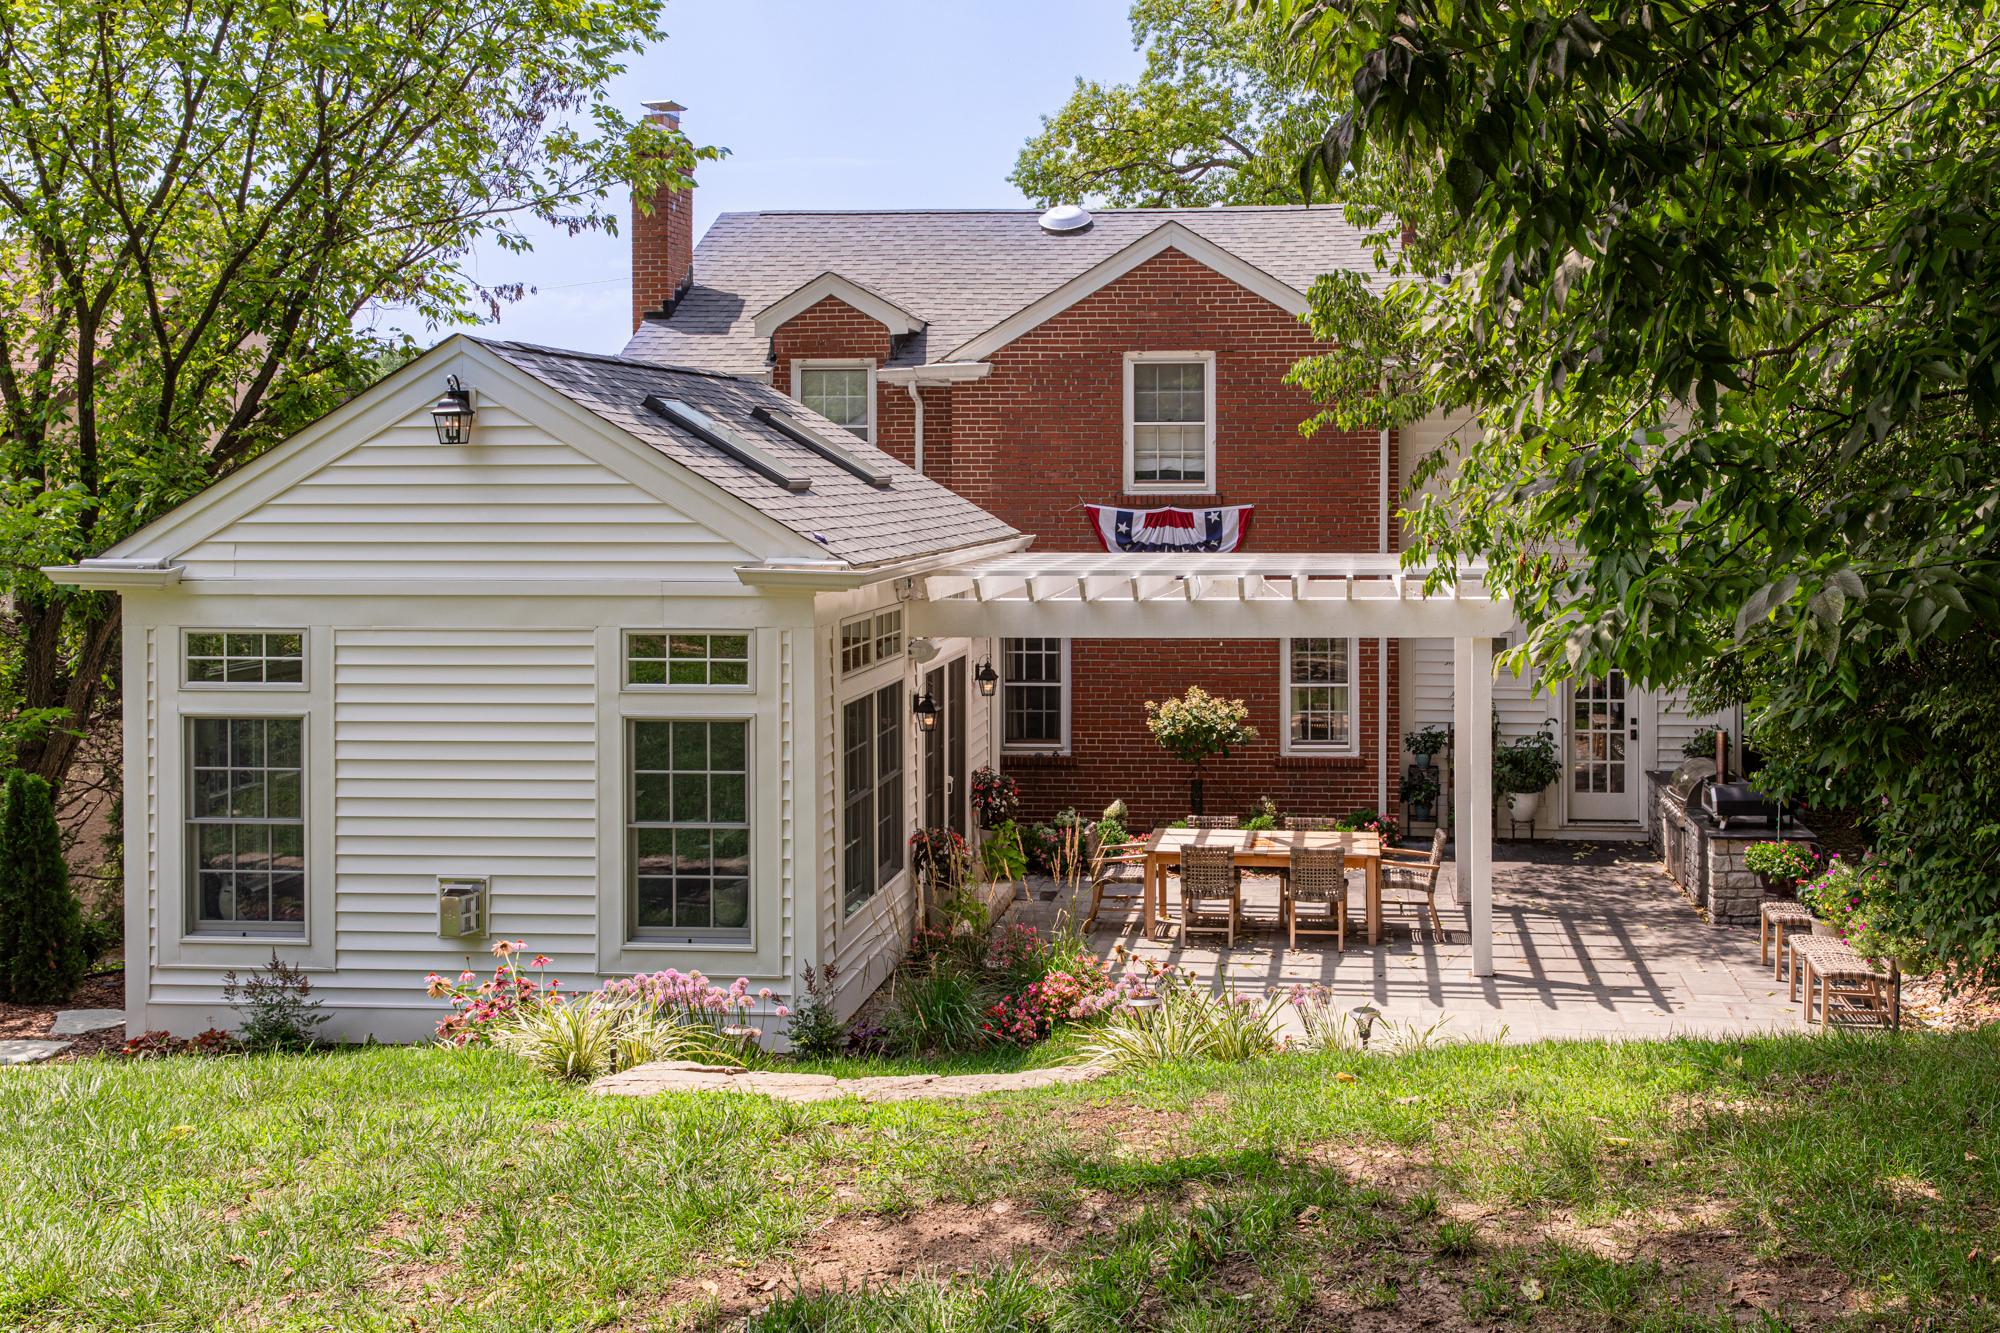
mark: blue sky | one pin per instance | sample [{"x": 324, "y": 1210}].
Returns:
[{"x": 875, "y": 104}]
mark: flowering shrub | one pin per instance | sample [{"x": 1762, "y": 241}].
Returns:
[
  {"x": 995, "y": 796},
  {"x": 1369, "y": 821},
  {"x": 691, "y": 997},
  {"x": 1789, "y": 861},
  {"x": 479, "y": 1008}
]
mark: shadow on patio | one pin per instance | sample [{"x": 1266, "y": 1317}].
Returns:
[{"x": 1590, "y": 940}]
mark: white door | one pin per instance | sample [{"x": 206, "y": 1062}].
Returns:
[{"x": 1603, "y": 747}]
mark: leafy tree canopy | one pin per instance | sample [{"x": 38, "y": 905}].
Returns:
[
  {"x": 197, "y": 203},
  {"x": 1718, "y": 282}
]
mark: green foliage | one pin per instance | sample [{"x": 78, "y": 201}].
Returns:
[
  {"x": 815, "y": 1028},
  {"x": 279, "y": 1011},
  {"x": 1701, "y": 745},
  {"x": 42, "y": 955},
  {"x": 1426, "y": 741},
  {"x": 1265, "y": 816},
  {"x": 202, "y": 206},
  {"x": 581, "y": 1037},
  {"x": 1419, "y": 786},
  {"x": 938, "y": 1007},
  {"x": 1199, "y": 726},
  {"x": 1001, "y": 855},
  {"x": 1526, "y": 764},
  {"x": 1780, "y": 860},
  {"x": 1188, "y": 1023}
]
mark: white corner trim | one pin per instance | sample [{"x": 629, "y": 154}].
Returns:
[
  {"x": 1167, "y": 236},
  {"x": 1207, "y": 485},
  {"x": 877, "y": 307}
]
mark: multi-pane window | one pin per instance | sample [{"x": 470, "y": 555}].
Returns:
[
  {"x": 870, "y": 639},
  {"x": 246, "y": 657},
  {"x": 680, "y": 658},
  {"x": 246, "y": 827},
  {"x": 1169, "y": 424},
  {"x": 838, "y": 393},
  {"x": 689, "y": 829},
  {"x": 1319, "y": 697},
  {"x": 871, "y": 793},
  {"x": 1032, "y": 694}
]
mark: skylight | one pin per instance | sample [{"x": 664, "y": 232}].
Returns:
[
  {"x": 692, "y": 418},
  {"x": 824, "y": 447}
]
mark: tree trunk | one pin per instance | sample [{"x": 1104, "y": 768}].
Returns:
[
  {"x": 51, "y": 679},
  {"x": 1194, "y": 796}
]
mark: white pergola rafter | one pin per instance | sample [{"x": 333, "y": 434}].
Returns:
[{"x": 1109, "y": 595}]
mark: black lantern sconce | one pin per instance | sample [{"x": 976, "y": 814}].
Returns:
[
  {"x": 926, "y": 710},
  {"x": 452, "y": 413},
  {"x": 986, "y": 678}
]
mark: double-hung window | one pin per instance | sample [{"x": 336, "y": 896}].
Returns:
[
  {"x": 1170, "y": 422},
  {"x": 246, "y": 827},
  {"x": 1034, "y": 695},
  {"x": 842, "y": 393},
  {"x": 1319, "y": 696},
  {"x": 871, "y": 793},
  {"x": 689, "y": 829}
]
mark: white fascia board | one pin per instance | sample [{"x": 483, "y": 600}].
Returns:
[
  {"x": 828, "y": 575},
  {"x": 1167, "y": 236},
  {"x": 879, "y": 308},
  {"x": 936, "y": 373},
  {"x": 114, "y": 575}
]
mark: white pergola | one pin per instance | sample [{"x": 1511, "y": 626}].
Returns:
[{"x": 1108, "y": 595}]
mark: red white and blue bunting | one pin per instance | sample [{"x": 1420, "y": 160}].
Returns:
[{"x": 1149, "y": 530}]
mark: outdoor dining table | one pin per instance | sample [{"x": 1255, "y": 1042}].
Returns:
[{"x": 1261, "y": 849}]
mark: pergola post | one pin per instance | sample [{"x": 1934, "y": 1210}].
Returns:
[{"x": 1472, "y": 790}]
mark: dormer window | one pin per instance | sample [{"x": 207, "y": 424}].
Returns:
[
  {"x": 841, "y": 391},
  {"x": 1170, "y": 422}
]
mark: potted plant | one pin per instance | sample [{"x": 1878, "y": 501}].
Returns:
[
  {"x": 995, "y": 796},
  {"x": 1701, "y": 745},
  {"x": 1002, "y": 859},
  {"x": 1426, "y": 744},
  {"x": 1780, "y": 866},
  {"x": 1420, "y": 790},
  {"x": 1198, "y": 727},
  {"x": 1832, "y": 898},
  {"x": 1522, "y": 770}
]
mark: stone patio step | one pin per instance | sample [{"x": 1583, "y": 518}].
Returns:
[{"x": 30, "y": 1050}]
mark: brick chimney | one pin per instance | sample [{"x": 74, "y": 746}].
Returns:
[{"x": 663, "y": 240}]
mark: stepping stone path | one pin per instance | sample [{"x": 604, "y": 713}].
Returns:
[
  {"x": 78, "y": 1022},
  {"x": 30, "y": 1051},
  {"x": 686, "y": 1076}
]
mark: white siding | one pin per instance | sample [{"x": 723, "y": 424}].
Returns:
[{"x": 515, "y": 502}]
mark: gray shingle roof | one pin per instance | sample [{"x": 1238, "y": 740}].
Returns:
[
  {"x": 961, "y": 272},
  {"x": 840, "y": 514}
]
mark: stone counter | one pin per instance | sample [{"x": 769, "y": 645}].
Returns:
[{"x": 1705, "y": 859}]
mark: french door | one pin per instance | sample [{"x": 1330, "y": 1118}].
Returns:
[
  {"x": 946, "y": 788},
  {"x": 1603, "y": 750}
]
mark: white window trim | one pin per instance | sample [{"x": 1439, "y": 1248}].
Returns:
[
  {"x": 719, "y": 938},
  {"x": 301, "y": 685},
  {"x": 844, "y": 908},
  {"x": 1208, "y": 487},
  {"x": 1068, "y": 689},
  {"x": 625, "y": 682},
  {"x": 191, "y": 931},
  {"x": 1288, "y": 746},
  {"x": 865, "y": 917},
  {"x": 869, "y": 618},
  {"x": 803, "y": 364}
]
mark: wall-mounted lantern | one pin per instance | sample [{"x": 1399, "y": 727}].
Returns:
[
  {"x": 926, "y": 710},
  {"x": 452, "y": 413},
  {"x": 987, "y": 678}
]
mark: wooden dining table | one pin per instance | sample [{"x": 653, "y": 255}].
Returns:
[{"x": 1261, "y": 849}]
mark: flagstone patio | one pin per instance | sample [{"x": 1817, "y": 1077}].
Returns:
[{"x": 1590, "y": 940}]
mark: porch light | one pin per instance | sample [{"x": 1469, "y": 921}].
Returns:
[
  {"x": 987, "y": 678},
  {"x": 926, "y": 710},
  {"x": 452, "y": 413}
]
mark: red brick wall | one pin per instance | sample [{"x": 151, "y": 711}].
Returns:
[
  {"x": 828, "y": 328},
  {"x": 662, "y": 243}
]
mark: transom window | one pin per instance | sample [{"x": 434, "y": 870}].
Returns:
[
  {"x": 246, "y": 828},
  {"x": 869, "y": 639},
  {"x": 1170, "y": 427},
  {"x": 679, "y": 657},
  {"x": 1319, "y": 695},
  {"x": 838, "y": 393},
  {"x": 871, "y": 793},
  {"x": 246, "y": 657},
  {"x": 689, "y": 830},
  {"x": 1034, "y": 694}
]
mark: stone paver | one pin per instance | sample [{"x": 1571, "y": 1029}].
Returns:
[
  {"x": 1589, "y": 941},
  {"x": 685, "y": 1076},
  {"x": 78, "y": 1022},
  {"x": 30, "y": 1051}
]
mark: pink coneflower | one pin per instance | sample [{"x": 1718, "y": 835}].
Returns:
[
  {"x": 501, "y": 948},
  {"x": 541, "y": 960}
]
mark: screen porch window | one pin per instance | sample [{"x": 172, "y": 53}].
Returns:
[
  {"x": 689, "y": 830},
  {"x": 246, "y": 657},
  {"x": 1169, "y": 425},
  {"x": 869, "y": 639},
  {"x": 1319, "y": 694},
  {"x": 838, "y": 393},
  {"x": 683, "y": 658},
  {"x": 246, "y": 828},
  {"x": 871, "y": 793},
  {"x": 1033, "y": 694}
]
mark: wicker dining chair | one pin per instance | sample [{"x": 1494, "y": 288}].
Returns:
[
  {"x": 1211, "y": 890},
  {"x": 1117, "y": 870},
  {"x": 1317, "y": 879},
  {"x": 1414, "y": 876},
  {"x": 1214, "y": 821}
]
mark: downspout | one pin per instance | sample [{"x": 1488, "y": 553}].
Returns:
[{"x": 917, "y": 407}]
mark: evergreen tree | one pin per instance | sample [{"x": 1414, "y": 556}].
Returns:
[{"x": 41, "y": 925}]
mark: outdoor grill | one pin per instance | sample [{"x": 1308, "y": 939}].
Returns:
[{"x": 1737, "y": 800}]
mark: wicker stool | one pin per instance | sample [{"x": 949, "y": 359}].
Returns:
[
  {"x": 1809, "y": 952},
  {"x": 1860, "y": 985},
  {"x": 1778, "y": 916}
]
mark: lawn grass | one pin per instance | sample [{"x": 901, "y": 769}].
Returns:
[{"x": 1574, "y": 1185}]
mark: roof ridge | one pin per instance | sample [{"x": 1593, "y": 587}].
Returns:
[
  {"x": 1023, "y": 210},
  {"x": 609, "y": 358}
]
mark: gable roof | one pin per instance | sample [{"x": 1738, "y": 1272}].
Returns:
[
  {"x": 877, "y": 307},
  {"x": 839, "y": 512},
  {"x": 960, "y": 273}
]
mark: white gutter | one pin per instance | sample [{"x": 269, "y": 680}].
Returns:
[
  {"x": 917, "y": 406},
  {"x": 821, "y": 573},
  {"x": 936, "y": 373},
  {"x": 116, "y": 574}
]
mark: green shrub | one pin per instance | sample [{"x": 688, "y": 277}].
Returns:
[
  {"x": 938, "y": 1008},
  {"x": 1265, "y": 816},
  {"x": 815, "y": 1027},
  {"x": 1526, "y": 765},
  {"x": 1001, "y": 855},
  {"x": 280, "y": 1012},
  {"x": 103, "y": 934},
  {"x": 582, "y": 1037},
  {"x": 42, "y": 956},
  {"x": 1187, "y": 1024},
  {"x": 1780, "y": 860}
]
